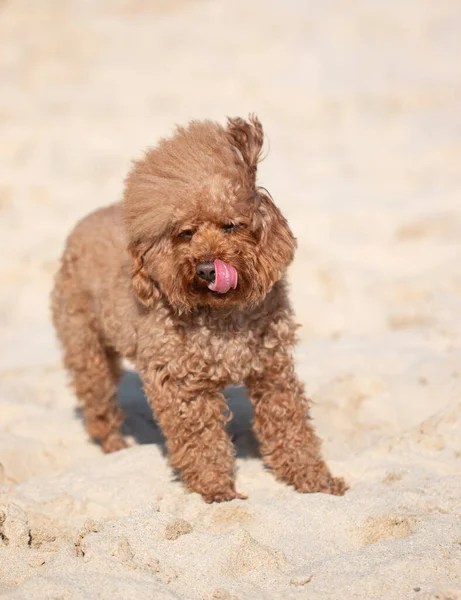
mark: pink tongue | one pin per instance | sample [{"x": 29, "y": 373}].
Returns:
[{"x": 225, "y": 277}]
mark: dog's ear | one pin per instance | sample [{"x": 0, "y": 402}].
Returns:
[
  {"x": 247, "y": 138},
  {"x": 275, "y": 238},
  {"x": 143, "y": 285}
]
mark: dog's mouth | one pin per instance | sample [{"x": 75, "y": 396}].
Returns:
[
  {"x": 217, "y": 277},
  {"x": 205, "y": 290},
  {"x": 225, "y": 279}
]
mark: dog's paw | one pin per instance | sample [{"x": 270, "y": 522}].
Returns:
[
  {"x": 338, "y": 486},
  {"x": 317, "y": 478},
  {"x": 325, "y": 485},
  {"x": 223, "y": 496},
  {"x": 114, "y": 443}
]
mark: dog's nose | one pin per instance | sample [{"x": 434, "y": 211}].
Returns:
[{"x": 205, "y": 270}]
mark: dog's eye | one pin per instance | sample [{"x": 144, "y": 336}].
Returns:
[
  {"x": 229, "y": 227},
  {"x": 187, "y": 234}
]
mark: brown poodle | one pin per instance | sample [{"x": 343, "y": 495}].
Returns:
[{"x": 185, "y": 277}]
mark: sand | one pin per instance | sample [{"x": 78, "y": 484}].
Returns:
[{"x": 361, "y": 104}]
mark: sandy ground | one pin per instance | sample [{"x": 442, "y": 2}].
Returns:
[{"x": 361, "y": 103}]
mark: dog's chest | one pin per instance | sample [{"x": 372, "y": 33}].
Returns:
[{"x": 223, "y": 356}]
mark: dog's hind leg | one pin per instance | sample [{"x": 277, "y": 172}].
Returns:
[{"x": 94, "y": 368}]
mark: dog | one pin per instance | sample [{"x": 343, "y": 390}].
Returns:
[{"x": 186, "y": 278}]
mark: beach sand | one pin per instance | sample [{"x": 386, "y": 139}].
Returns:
[{"x": 361, "y": 104}]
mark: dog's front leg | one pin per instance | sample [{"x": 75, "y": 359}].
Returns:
[
  {"x": 193, "y": 419},
  {"x": 289, "y": 444}
]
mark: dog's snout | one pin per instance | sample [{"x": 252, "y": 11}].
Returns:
[{"x": 206, "y": 271}]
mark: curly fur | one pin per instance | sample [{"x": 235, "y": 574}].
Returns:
[{"x": 127, "y": 287}]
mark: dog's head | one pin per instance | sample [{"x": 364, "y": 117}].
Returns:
[{"x": 196, "y": 219}]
